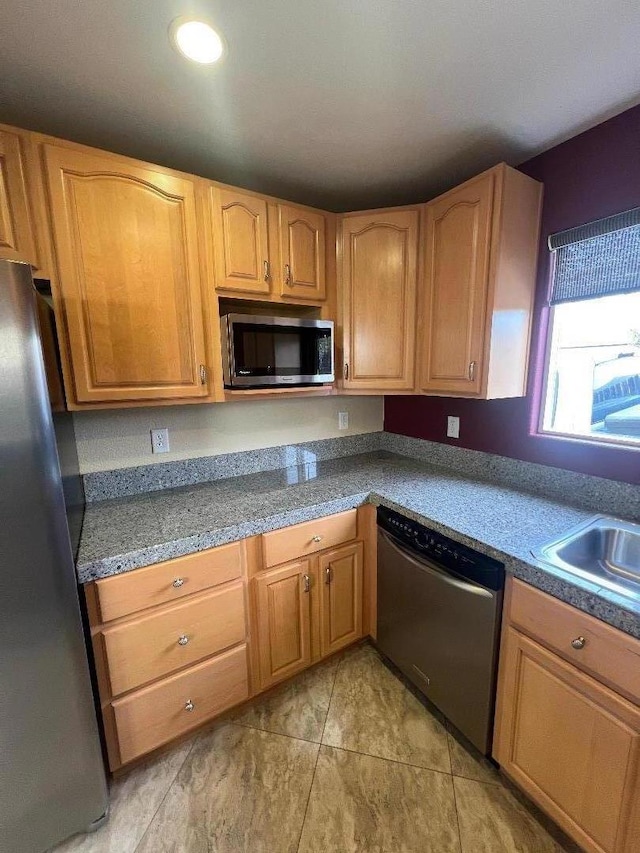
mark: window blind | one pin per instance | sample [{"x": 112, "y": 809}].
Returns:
[{"x": 600, "y": 258}]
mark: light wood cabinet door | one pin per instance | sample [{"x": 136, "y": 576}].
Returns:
[
  {"x": 570, "y": 743},
  {"x": 284, "y": 620},
  {"x": 457, "y": 252},
  {"x": 302, "y": 253},
  {"x": 241, "y": 241},
  {"x": 129, "y": 274},
  {"x": 341, "y": 598},
  {"x": 379, "y": 291},
  {"x": 17, "y": 224}
]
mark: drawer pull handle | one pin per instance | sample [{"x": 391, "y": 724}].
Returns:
[
  {"x": 183, "y": 640},
  {"x": 178, "y": 582},
  {"x": 578, "y": 643},
  {"x": 328, "y": 575},
  {"x": 188, "y": 705},
  {"x": 316, "y": 538},
  {"x": 306, "y": 583}
]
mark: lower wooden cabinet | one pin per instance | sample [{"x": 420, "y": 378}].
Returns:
[
  {"x": 161, "y": 712},
  {"x": 283, "y": 618},
  {"x": 168, "y": 661},
  {"x": 166, "y": 639},
  {"x": 571, "y": 743},
  {"x": 308, "y": 609},
  {"x": 341, "y": 599}
]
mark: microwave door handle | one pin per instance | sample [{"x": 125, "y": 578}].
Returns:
[{"x": 432, "y": 569}]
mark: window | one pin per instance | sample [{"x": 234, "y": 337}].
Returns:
[{"x": 593, "y": 363}]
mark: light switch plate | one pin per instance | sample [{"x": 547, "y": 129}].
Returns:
[
  {"x": 159, "y": 440},
  {"x": 453, "y": 427},
  {"x": 343, "y": 420}
]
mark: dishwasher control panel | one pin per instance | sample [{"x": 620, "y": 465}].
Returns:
[{"x": 456, "y": 557}]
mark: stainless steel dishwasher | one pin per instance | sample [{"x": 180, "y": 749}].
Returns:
[{"x": 439, "y": 607}]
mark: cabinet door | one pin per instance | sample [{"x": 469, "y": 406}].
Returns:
[
  {"x": 341, "y": 600},
  {"x": 241, "y": 241},
  {"x": 17, "y": 225},
  {"x": 283, "y": 619},
  {"x": 379, "y": 282},
  {"x": 129, "y": 277},
  {"x": 458, "y": 237},
  {"x": 302, "y": 253},
  {"x": 571, "y": 744}
]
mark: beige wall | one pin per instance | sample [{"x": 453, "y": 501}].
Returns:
[{"x": 120, "y": 438}]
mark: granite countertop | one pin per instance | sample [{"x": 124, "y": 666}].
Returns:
[{"x": 127, "y": 533}]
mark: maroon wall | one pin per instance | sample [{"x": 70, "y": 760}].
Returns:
[{"x": 590, "y": 176}]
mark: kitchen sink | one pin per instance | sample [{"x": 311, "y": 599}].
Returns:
[{"x": 603, "y": 550}]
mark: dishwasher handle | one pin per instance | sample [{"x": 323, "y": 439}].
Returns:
[{"x": 435, "y": 570}]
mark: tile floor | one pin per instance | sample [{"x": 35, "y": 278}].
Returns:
[{"x": 343, "y": 758}]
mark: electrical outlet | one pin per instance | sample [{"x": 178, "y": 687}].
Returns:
[
  {"x": 453, "y": 427},
  {"x": 343, "y": 420},
  {"x": 159, "y": 440}
]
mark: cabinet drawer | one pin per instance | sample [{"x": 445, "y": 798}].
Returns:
[
  {"x": 154, "y": 715},
  {"x": 165, "y": 582},
  {"x": 149, "y": 647},
  {"x": 280, "y": 546},
  {"x": 611, "y": 656}
]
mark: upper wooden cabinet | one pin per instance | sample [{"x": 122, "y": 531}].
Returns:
[
  {"x": 21, "y": 238},
  {"x": 481, "y": 246},
  {"x": 302, "y": 253},
  {"x": 129, "y": 277},
  {"x": 241, "y": 241},
  {"x": 379, "y": 275},
  {"x": 265, "y": 249}
]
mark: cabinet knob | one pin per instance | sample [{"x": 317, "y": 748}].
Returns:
[
  {"x": 316, "y": 538},
  {"x": 183, "y": 640},
  {"x": 578, "y": 643},
  {"x": 188, "y": 705},
  {"x": 178, "y": 582}
]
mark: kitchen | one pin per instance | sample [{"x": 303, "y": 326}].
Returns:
[{"x": 347, "y": 577}]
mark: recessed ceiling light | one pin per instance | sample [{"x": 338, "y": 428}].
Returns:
[{"x": 197, "y": 40}]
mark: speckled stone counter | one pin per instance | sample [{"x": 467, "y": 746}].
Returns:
[{"x": 131, "y": 532}]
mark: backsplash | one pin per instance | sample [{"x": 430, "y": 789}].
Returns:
[{"x": 103, "y": 485}]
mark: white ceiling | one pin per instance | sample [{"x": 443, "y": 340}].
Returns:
[{"x": 339, "y": 103}]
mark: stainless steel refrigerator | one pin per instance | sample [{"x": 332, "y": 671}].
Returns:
[{"x": 52, "y": 781}]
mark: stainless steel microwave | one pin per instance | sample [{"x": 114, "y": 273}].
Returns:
[{"x": 263, "y": 350}]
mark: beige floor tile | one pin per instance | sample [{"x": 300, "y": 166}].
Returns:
[
  {"x": 372, "y": 712},
  {"x": 491, "y": 820},
  {"x": 466, "y": 761},
  {"x": 360, "y": 803},
  {"x": 134, "y": 799},
  {"x": 240, "y": 790},
  {"x": 298, "y": 708}
]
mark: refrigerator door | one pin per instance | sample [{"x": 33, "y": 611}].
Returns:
[{"x": 52, "y": 781}]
